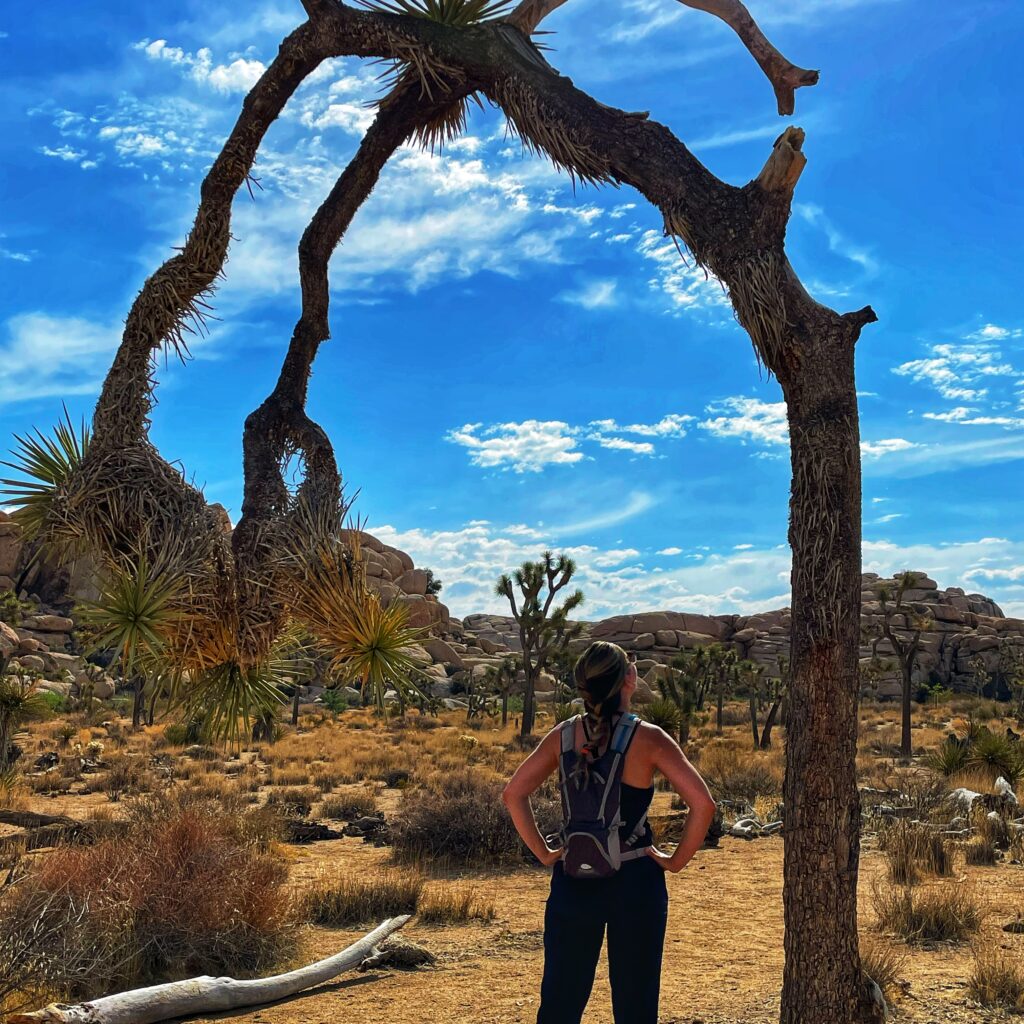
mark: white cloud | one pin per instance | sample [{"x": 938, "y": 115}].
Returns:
[
  {"x": 670, "y": 551},
  {"x": 239, "y": 76},
  {"x": 837, "y": 241},
  {"x": 966, "y": 370},
  {"x": 719, "y": 140},
  {"x": 876, "y": 449},
  {"x": 594, "y": 295},
  {"x": 43, "y": 356},
  {"x": 469, "y": 560},
  {"x": 748, "y": 419},
  {"x": 684, "y": 284},
  {"x": 525, "y": 447},
  {"x": 621, "y": 444}
]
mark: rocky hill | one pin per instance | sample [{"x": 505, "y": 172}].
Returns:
[{"x": 961, "y": 627}]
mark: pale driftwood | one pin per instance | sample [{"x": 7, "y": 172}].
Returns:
[{"x": 208, "y": 995}]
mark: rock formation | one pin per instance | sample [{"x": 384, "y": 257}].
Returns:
[{"x": 961, "y": 628}]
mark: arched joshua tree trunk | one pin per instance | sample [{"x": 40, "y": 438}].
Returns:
[{"x": 738, "y": 234}]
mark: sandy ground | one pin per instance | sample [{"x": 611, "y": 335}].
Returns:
[{"x": 723, "y": 961}]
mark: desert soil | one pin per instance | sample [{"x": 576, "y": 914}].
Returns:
[{"x": 723, "y": 962}]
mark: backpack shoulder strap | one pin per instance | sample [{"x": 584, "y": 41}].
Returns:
[
  {"x": 568, "y": 732},
  {"x": 624, "y": 732}
]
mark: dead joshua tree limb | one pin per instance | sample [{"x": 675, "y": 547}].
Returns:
[
  {"x": 736, "y": 233},
  {"x": 209, "y": 995}
]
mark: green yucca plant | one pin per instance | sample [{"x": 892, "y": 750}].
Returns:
[
  {"x": 134, "y": 614},
  {"x": 44, "y": 463},
  {"x": 454, "y": 13},
  {"x": 231, "y": 695},
  {"x": 20, "y": 701},
  {"x": 990, "y": 752},
  {"x": 949, "y": 759},
  {"x": 366, "y": 641}
]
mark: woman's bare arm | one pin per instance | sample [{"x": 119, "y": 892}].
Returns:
[
  {"x": 528, "y": 778},
  {"x": 670, "y": 760}
]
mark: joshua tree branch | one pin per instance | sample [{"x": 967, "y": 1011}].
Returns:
[{"x": 785, "y": 77}]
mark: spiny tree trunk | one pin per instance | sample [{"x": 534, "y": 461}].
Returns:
[
  {"x": 822, "y": 981},
  {"x": 906, "y": 710}
]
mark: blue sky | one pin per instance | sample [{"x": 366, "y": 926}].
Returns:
[{"x": 515, "y": 366}]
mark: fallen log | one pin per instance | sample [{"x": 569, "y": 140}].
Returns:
[{"x": 208, "y": 995}]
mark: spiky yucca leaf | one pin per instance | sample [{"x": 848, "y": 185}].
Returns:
[
  {"x": 232, "y": 694},
  {"x": 365, "y": 641},
  {"x": 45, "y": 463},
  {"x": 22, "y": 700},
  {"x": 135, "y": 614},
  {"x": 454, "y": 13}
]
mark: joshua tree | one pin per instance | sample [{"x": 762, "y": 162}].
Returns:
[
  {"x": 682, "y": 693},
  {"x": 544, "y": 626},
  {"x": 241, "y": 596},
  {"x": 502, "y": 679},
  {"x": 897, "y": 615},
  {"x": 720, "y": 665},
  {"x": 763, "y": 690}
]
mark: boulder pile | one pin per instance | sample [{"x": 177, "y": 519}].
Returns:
[{"x": 960, "y": 631}]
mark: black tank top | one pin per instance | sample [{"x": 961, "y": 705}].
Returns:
[{"x": 634, "y": 801}]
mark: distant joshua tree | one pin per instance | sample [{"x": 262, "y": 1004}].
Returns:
[
  {"x": 906, "y": 644},
  {"x": 543, "y": 626}
]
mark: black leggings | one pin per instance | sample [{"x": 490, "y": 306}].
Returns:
[{"x": 633, "y": 905}]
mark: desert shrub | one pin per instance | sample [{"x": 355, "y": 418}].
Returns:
[
  {"x": 663, "y": 713},
  {"x": 740, "y": 775},
  {"x": 980, "y": 852},
  {"x": 289, "y": 777},
  {"x": 908, "y": 846},
  {"x": 939, "y": 913},
  {"x": 883, "y": 963},
  {"x": 324, "y": 778},
  {"x": 349, "y": 804},
  {"x": 460, "y": 818},
  {"x": 996, "y": 755},
  {"x": 997, "y": 979},
  {"x": 184, "y": 890},
  {"x": 296, "y": 803},
  {"x": 125, "y": 776},
  {"x": 446, "y": 906},
  {"x": 351, "y": 900},
  {"x": 948, "y": 760}
]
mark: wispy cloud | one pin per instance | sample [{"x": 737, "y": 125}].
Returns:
[
  {"x": 593, "y": 295},
  {"x": 43, "y": 356}
]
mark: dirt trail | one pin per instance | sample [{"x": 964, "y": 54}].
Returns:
[{"x": 723, "y": 959}]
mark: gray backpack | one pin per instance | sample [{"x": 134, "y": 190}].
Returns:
[{"x": 591, "y": 844}]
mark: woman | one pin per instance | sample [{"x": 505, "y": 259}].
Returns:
[{"x": 632, "y": 903}]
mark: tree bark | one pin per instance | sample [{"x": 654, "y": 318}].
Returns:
[
  {"x": 822, "y": 981},
  {"x": 204, "y": 995}
]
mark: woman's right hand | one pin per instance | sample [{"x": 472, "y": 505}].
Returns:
[{"x": 550, "y": 857}]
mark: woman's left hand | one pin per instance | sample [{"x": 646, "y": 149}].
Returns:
[
  {"x": 550, "y": 857},
  {"x": 663, "y": 860}
]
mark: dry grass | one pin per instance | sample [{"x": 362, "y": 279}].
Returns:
[
  {"x": 884, "y": 964},
  {"x": 448, "y": 906},
  {"x": 350, "y": 803},
  {"x": 997, "y": 979},
  {"x": 735, "y": 772},
  {"x": 910, "y": 847},
  {"x": 349, "y": 901},
  {"x": 937, "y": 913}
]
